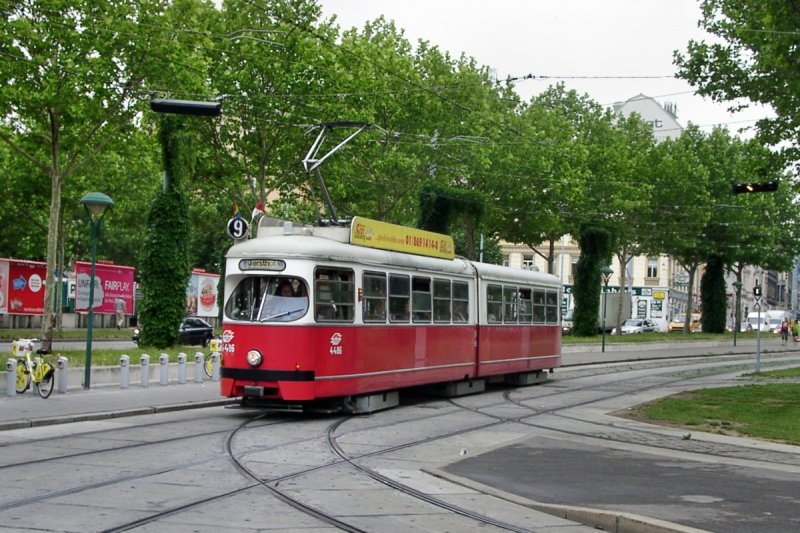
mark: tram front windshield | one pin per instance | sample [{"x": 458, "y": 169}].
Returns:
[{"x": 268, "y": 299}]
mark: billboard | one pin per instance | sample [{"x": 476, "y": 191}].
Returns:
[
  {"x": 201, "y": 294},
  {"x": 111, "y": 283},
  {"x": 385, "y": 236},
  {"x": 22, "y": 287}
]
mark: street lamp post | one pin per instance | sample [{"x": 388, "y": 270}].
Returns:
[
  {"x": 96, "y": 204},
  {"x": 606, "y": 273},
  {"x": 737, "y": 285}
]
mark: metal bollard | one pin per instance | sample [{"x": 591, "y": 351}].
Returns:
[
  {"x": 198, "y": 367},
  {"x": 63, "y": 364},
  {"x": 11, "y": 378},
  {"x": 163, "y": 361},
  {"x": 181, "y": 368},
  {"x": 144, "y": 378},
  {"x": 124, "y": 371},
  {"x": 215, "y": 366}
]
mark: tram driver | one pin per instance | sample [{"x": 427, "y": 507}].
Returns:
[{"x": 286, "y": 304}]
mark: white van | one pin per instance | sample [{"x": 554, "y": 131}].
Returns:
[{"x": 770, "y": 320}]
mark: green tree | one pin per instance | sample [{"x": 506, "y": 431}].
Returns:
[
  {"x": 681, "y": 204},
  {"x": 542, "y": 169},
  {"x": 755, "y": 58},
  {"x": 713, "y": 295},
  {"x": 596, "y": 245},
  {"x": 71, "y": 80},
  {"x": 165, "y": 259}
]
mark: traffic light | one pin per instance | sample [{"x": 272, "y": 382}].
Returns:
[{"x": 745, "y": 188}]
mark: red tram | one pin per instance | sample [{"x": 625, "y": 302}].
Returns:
[{"x": 345, "y": 317}]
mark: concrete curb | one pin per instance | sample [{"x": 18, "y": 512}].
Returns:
[{"x": 119, "y": 413}]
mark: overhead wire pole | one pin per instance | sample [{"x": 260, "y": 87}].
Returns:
[{"x": 311, "y": 163}]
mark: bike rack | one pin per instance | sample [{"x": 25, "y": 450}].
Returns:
[
  {"x": 144, "y": 377},
  {"x": 181, "y": 368},
  {"x": 124, "y": 371},
  {"x": 215, "y": 366},
  {"x": 163, "y": 362},
  {"x": 11, "y": 378},
  {"x": 198, "y": 367},
  {"x": 62, "y": 364}
]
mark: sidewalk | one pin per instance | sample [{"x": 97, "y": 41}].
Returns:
[
  {"x": 107, "y": 400},
  {"x": 103, "y": 402}
]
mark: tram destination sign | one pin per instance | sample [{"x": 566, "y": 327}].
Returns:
[
  {"x": 385, "y": 236},
  {"x": 276, "y": 265}
]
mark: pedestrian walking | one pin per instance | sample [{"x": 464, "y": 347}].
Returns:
[
  {"x": 784, "y": 331},
  {"x": 795, "y": 330}
]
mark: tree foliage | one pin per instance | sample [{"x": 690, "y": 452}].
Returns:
[
  {"x": 165, "y": 257},
  {"x": 596, "y": 245},
  {"x": 756, "y": 58}
]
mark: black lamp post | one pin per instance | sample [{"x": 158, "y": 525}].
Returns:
[
  {"x": 606, "y": 273},
  {"x": 736, "y": 315},
  {"x": 96, "y": 204}
]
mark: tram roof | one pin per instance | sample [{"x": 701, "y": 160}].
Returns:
[
  {"x": 316, "y": 248},
  {"x": 332, "y": 244}
]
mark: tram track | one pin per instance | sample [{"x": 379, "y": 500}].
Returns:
[{"x": 256, "y": 448}]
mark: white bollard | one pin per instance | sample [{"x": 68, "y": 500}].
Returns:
[
  {"x": 163, "y": 361},
  {"x": 124, "y": 371},
  {"x": 63, "y": 364},
  {"x": 215, "y": 366},
  {"x": 11, "y": 378},
  {"x": 181, "y": 368},
  {"x": 198, "y": 367},
  {"x": 144, "y": 378}
]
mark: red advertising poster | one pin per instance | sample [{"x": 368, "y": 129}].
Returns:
[
  {"x": 201, "y": 294},
  {"x": 24, "y": 287},
  {"x": 112, "y": 284}
]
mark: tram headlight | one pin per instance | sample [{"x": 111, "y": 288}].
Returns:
[{"x": 254, "y": 358}]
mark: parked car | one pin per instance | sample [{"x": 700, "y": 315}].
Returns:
[
  {"x": 676, "y": 324},
  {"x": 638, "y": 325},
  {"x": 193, "y": 330}
]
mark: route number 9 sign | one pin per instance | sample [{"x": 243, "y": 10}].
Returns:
[{"x": 237, "y": 227}]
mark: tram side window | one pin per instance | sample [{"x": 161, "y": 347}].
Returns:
[
  {"x": 494, "y": 304},
  {"x": 525, "y": 306},
  {"x": 460, "y": 302},
  {"x": 538, "y": 306},
  {"x": 374, "y": 305},
  {"x": 441, "y": 300},
  {"x": 421, "y": 299},
  {"x": 510, "y": 305},
  {"x": 399, "y": 297},
  {"x": 551, "y": 307},
  {"x": 334, "y": 295}
]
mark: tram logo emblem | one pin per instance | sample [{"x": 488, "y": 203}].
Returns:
[
  {"x": 336, "y": 339},
  {"x": 227, "y": 336}
]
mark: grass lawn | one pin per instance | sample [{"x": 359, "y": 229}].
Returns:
[
  {"x": 102, "y": 357},
  {"x": 768, "y": 411}
]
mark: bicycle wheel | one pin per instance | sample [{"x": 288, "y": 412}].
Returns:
[
  {"x": 23, "y": 377},
  {"x": 45, "y": 386},
  {"x": 208, "y": 365}
]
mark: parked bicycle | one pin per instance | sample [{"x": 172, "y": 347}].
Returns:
[
  {"x": 215, "y": 345},
  {"x": 36, "y": 369}
]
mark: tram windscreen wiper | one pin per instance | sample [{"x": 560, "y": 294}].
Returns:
[{"x": 285, "y": 313}]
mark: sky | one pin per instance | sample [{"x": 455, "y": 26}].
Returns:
[{"x": 611, "y": 50}]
